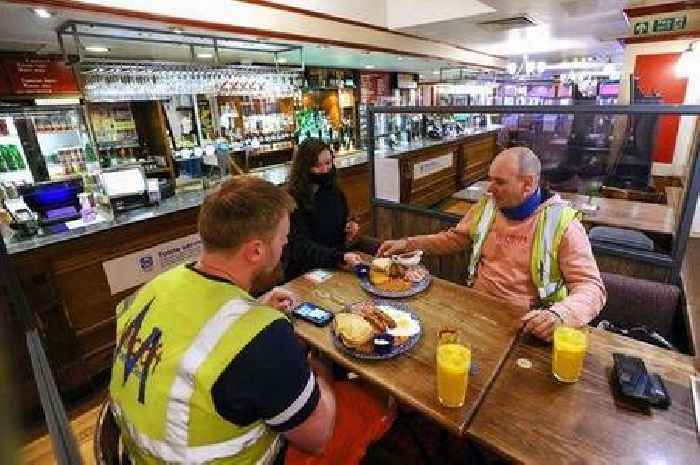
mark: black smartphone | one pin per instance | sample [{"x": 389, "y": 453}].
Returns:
[{"x": 313, "y": 314}]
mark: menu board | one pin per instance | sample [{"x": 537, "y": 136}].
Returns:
[
  {"x": 373, "y": 86},
  {"x": 34, "y": 75}
]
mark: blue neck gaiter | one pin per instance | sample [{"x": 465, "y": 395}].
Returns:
[{"x": 526, "y": 208}]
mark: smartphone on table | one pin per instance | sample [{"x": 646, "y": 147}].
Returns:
[{"x": 313, "y": 314}]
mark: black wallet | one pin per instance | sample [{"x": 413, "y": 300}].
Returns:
[{"x": 636, "y": 384}]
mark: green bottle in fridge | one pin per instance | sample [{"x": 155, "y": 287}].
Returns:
[
  {"x": 3, "y": 163},
  {"x": 17, "y": 157}
]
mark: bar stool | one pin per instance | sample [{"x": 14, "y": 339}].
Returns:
[{"x": 107, "y": 445}]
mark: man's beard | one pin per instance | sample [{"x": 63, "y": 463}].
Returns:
[{"x": 266, "y": 279}]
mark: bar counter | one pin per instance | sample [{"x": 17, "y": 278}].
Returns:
[{"x": 425, "y": 173}]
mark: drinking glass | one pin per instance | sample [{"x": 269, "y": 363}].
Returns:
[
  {"x": 453, "y": 361},
  {"x": 568, "y": 352}
]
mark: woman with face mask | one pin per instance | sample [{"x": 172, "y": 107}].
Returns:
[{"x": 320, "y": 228}]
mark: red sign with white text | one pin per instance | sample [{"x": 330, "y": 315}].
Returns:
[{"x": 31, "y": 75}]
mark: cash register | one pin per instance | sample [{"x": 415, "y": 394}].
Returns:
[
  {"x": 126, "y": 188},
  {"x": 53, "y": 202}
]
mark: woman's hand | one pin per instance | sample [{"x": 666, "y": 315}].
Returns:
[
  {"x": 351, "y": 231},
  {"x": 392, "y": 247},
  {"x": 351, "y": 259}
]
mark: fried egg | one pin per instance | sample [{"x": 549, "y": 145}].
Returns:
[{"x": 406, "y": 326}]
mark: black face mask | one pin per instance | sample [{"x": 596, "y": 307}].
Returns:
[{"x": 323, "y": 179}]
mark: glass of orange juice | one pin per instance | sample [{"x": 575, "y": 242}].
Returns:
[
  {"x": 568, "y": 351},
  {"x": 453, "y": 363}
]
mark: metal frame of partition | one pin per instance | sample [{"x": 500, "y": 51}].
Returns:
[{"x": 672, "y": 261}]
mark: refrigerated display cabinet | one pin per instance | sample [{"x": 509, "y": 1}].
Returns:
[{"x": 44, "y": 144}]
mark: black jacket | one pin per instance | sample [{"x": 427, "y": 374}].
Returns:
[{"x": 317, "y": 236}]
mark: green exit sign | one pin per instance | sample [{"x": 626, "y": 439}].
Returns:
[{"x": 670, "y": 24}]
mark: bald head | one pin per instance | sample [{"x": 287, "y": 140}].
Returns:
[
  {"x": 515, "y": 174},
  {"x": 523, "y": 160}
]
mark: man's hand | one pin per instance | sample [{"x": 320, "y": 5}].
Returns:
[
  {"x": 279, "y": 298},
  {"x": 351, "y": 231},
  {"x": 392, "y": 247},
  {"x": 540, "y": 323},
  {"x": 351, "y": 259}
]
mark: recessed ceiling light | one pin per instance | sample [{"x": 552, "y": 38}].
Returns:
[
  {"x": 436, "y": 72},
  {"x": 42, "y": 13},
  {"x": 176, "y": 30},
  {"x": 369, "y": 66},
  {"x": 282, "y": 60},
  {"x": 399, "y": 58},
  {"x": 96, "y": 49},
  {"x": 205, "y": 55},
  {"x": 322, "y": 46}
]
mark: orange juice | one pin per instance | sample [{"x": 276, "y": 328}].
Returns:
[
  {"x": 568, "y": 352},
  {"x": 453, "y": 361}
]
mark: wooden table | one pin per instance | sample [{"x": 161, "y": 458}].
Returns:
[
  {"x": 486, "y": 324},
  {"x": 630, "y": 214},
  {"x": 456, "y": 206},
  {"x": 533, "y": 419}
]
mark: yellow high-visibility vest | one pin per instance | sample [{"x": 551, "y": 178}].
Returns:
[
  {"x": 544, "y": 265},
  {"x": 173, "y": 342}
]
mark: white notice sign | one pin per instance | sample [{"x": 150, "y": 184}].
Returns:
[
  {"x": 140, "y": 267},
  {"x": 428, "y": 167}
]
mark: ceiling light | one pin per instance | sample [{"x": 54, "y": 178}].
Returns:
[
  {"x": 205, "y": 55},
  {"x": 282, "y": 60},
  {"x": 96, "y": 49},
  {"x": 322, "y": 46},
  {"x": 369, "y": 66},
  {"x": 42, "y": 13},
  {"x": 399, "y": 58},
  {"x": 176, "y": 30},
  {"x": 689, "y": 62},
  {"x": 436, "y": 72}
]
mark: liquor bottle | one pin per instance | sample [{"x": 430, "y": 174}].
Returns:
[{"x": 3, "y": 127}]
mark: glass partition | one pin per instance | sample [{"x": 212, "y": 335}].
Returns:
[{"x": 606, "y": 161}]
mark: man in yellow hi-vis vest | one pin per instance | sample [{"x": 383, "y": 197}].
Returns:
[
  {"x": 205, "y": 374},
  {"x": 527, "y": 246}
]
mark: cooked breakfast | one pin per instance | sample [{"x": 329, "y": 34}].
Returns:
[
  {"x": 388, "y": 275},
  {"x": 363, "y": 321}
]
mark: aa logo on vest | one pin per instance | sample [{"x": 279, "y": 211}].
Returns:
[{"x": 140, "y": 357}]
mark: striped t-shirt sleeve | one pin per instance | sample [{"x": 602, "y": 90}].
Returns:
[{"x": 269, "y": 380}]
